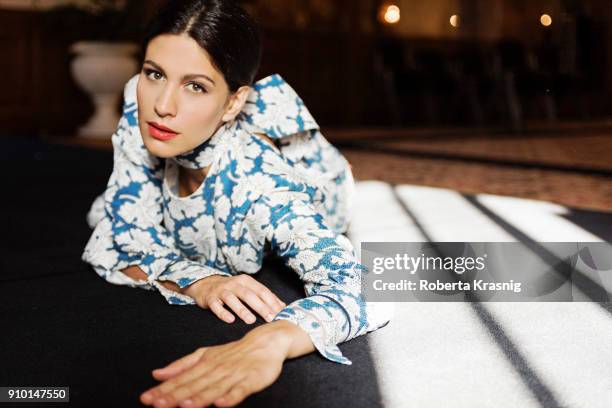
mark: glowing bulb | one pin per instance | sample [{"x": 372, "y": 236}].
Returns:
[
  {"x": 455, "y": 20},
  {"x": 392, "y": 14},
  {"x": 545, "y": 20}
]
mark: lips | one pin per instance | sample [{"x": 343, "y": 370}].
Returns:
[{"x": 161, "y": 132}]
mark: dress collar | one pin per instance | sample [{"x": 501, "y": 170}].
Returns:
[
  {"x": 272, "y": 107},
  {"x": 202, "y": 156}
]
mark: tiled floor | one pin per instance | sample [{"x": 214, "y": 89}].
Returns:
[
  {"x": 583, "y": 151},
  {"x": 572, "y": 190},
  {"x": 572, "y": 168}
]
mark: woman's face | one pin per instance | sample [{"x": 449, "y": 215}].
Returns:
[{"x": 182, "y": 98}]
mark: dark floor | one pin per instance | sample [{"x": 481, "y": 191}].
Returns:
[{"x": 62, "y": 325}]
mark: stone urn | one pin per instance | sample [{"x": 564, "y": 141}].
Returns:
[{"x": 102, "y": 69}]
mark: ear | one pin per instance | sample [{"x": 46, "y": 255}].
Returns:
[{"x": 236, "y": 103}]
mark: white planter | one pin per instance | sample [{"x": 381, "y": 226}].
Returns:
[{"x": 102, "y": 69}]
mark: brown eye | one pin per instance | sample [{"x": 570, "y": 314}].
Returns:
[
  {"x": 195, "y": 87},
  {"x": 152, "y": 74}
]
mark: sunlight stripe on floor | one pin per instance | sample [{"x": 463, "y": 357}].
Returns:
[
  {"x": 433, "y": 354},
  {"x": 438, "y": 355},
  {"x": 377, "y": 217},
  {"x": 567, "y": 344},
  {"x": 544, "y": 223},
  {"x": 448, "y": 217},
  {"x": 541, "y": 220},
  {"x": 560, "y": 341}
]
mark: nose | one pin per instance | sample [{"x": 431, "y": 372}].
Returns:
[{"x": 165, "y": 104}]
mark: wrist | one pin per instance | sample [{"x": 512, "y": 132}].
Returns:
[
  {"x": 196, "y": 288},
  {"x": 284, "y": 337},
  {"x": 192, "y": 289}
]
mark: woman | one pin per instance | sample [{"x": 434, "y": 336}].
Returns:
[{"x": 210, "y": 173}]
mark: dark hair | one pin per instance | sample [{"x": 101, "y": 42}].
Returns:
[{"x": 221, "y": 27}]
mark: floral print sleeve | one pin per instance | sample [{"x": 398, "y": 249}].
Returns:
[
  {"x": 303, "y": 216},
  {"x": 130, "y": 230},
  {"x": 334, "y": 310}
]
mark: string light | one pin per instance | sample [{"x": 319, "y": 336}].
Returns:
[
  {"x": 545, "y": 20},
  {"x": 390, "y": 14},
  {"x": 455, "y": 20}
]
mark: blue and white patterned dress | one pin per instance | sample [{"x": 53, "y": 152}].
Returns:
[{"x": 296, "y": 199}]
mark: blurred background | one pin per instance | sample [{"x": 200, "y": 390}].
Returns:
[{"x": 507, "y": 97}]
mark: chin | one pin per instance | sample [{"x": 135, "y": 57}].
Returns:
[{"x": 159, "y": 148}]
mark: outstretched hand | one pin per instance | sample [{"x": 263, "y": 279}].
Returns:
[{"x": 223, "y": 375}]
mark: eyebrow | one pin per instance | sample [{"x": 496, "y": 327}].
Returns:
[{"x": 186, "y": 77}]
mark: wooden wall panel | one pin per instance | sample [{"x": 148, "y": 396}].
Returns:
[
  {"x": 38, "y": 94},
  {"x": 18, "y": 104}
]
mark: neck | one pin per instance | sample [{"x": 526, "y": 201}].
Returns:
[{"x": 194, "y": 174}]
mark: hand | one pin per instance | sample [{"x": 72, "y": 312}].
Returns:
[
  {"x": 226, "y": 374},
  {"x": 215, "y": 291}
]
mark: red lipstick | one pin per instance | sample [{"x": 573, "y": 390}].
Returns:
[{"x": 161, "y": 132}]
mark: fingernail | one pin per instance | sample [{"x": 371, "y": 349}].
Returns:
[
  {"x": 270, "y": 317},
  {"x": 161, "y": 402},
  {"x": 187, "y": 403}
]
